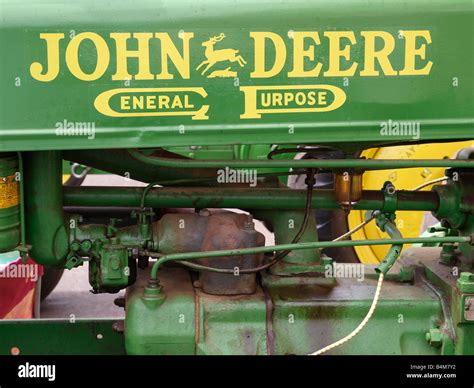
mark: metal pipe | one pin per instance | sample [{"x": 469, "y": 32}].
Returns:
[
  {"x": 308, "y": 245},
  {"x": 272, "y": 198},
  {"x": 363, "y": 164},
  {"x": 46, "y": 229},
  {"x": 395, "y": 250},
  {"x": 120, "y": 162}
]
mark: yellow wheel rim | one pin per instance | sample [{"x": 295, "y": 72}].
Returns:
[{"x": 409, "y": 223}]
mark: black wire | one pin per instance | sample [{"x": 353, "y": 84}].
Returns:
[{"x": 278, "y": 257}]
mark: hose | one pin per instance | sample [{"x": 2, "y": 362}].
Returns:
[
  {"x": 386, "y": 225},
  {"x": 361, "y": 325}
]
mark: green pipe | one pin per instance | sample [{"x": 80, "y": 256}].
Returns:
[
  {"x": 363, "y": 164},
  {"x": 394, "y": 252},
  {"x": 46, "y": 230},
  {"x": 120, "y": 162},
  {"x": 308, "y": 245},
  {"x": 279, "y": 221},
  {"x": 261, "y": 198}
]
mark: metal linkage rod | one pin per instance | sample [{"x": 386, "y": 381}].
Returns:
[
  {"x": 242, "y": 198},
  {"x": 363, "y": 164},
  {"x": 306, "y": 245}
]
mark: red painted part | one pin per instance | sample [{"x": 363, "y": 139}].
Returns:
[{"x": 17, "y": 289}]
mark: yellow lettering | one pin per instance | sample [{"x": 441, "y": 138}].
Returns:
[
  {"x": 72, "y": 56},
  {"x": 142, "y": 54},
  {"x": 163, "y": 102},
  {"x": 411, "y": 52},
  {"x": 138, "y": 102},
  {"x": 288, "y": 97},
  {"x": 300, "y": 53},
  {"x": 151, "y": 102},
  {"x": 177, "y": 103},
  {"x": 322, "y": 98},
  {"x": 336, "y": 53},
  {"x": 52, "y": 59},
  {"x": 169, "y": 50},
  {"x": 259, "y": 50},
  {"x": 187, "y": 104},
  {"x": 381, "y": 56},
  {"x": 277, "y": 99},
  {"x": 124, "y": 102}
]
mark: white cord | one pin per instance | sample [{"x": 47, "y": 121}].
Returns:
[
  {"x": 426, "y": 184},
  {"x": 379, "y": 284},
  {"x": 352, "y": 231},
  {"x": 361, "y": 325}
]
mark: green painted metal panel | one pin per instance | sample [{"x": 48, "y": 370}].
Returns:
[
  {"x": 61, "y": 336},
  {"x": 34, "y": 114}
]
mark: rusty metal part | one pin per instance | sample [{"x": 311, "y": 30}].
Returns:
[{"x": 209, "y": 231}]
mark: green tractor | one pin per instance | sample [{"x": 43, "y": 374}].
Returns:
[{"x": 307, "y": 173}]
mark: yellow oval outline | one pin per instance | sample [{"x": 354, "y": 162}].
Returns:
[{"x": 101, "y": 102}]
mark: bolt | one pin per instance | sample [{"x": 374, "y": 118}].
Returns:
[
  {"x": 114, "y": 263},
  {"x": 86, "y": 245},
  {"x": 434, "y": 337},
  {"x": 75, "y": 246},
  {"x": 448, "y": 253},
  {"x": 152, "y": 290},
  {"x": 406, "y": 274},
  {"x": 390, "y": 188}
]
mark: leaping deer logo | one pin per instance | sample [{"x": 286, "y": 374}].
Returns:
[{"x": 215, "y": 56}]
